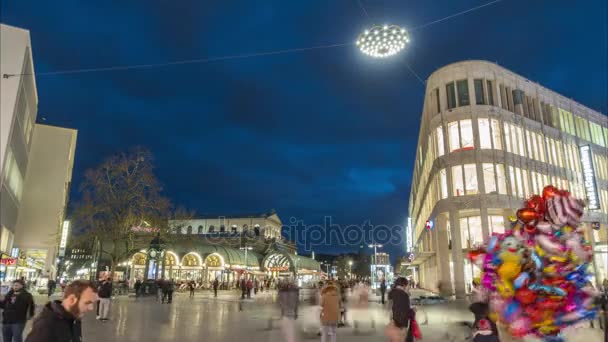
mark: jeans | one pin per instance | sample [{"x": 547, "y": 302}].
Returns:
[
  {"x": 104, "y": 308},
  {"x": 168, "y": 296},
  {"x": 328, "y": 333},
  {"x": 13, "y": 332}
]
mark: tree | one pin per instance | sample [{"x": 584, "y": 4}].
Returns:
[{"x": 119, "y": 196}]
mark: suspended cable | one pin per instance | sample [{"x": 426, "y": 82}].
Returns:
[
  {"x": 363, "y": 8},
  {"x": 190, "y": 61},
  {"x": 455, "y": 15},
  {"x": 414, "y": 73}
]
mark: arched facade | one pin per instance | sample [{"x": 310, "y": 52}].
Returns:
[{"x": 490, "y": 138}]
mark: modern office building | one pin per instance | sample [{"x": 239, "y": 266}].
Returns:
[
  {"x": 490, "y": 138},
  {"x": 18, "y": 109}
]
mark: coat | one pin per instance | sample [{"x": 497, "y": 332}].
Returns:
[
  {"x": 17, "y": 307},
  {"x": 330, "y": 305},
  {"x": 55, "y": 324}
]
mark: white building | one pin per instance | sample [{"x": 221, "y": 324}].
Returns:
[
  {"x": 36, "y": 167},
  {"x": 490, "y": 138}
]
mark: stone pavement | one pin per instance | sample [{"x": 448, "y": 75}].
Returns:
[{"x": 227, "y": 318}]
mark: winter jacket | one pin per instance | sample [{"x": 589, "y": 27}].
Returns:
[
  {"x": 55, "y": 324},
  {"x": 18, "y": 307},
  {"x": 330, "y": 305},
  {"x": 105, "y": 290},
  {"x": 401, "y": 310}
]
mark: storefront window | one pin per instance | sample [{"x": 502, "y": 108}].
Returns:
[
  {"x": 454, "y": 136},
  {"x": 440, "y": 150},
  {"x": 501, "y": 179},
  {"x": 496, "y": 136},
  {"x": 457, "y": 181},
  {"x": 470, "y": 176},
  {"x": 444, "y": 184},
  {"x": 466, "y": 134},
  {"x": 485, "y": 140},
  {"x": 497, "y": 224},
  {"x": 489, "y": 179},
  {"x": 471, "y": 232}
]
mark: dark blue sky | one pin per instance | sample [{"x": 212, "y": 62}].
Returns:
[{"x": 314, "y": 133}]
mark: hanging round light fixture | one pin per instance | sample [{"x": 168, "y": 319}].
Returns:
[{"x": 383, "y": 41}]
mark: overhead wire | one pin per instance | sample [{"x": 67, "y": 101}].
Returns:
[{"x": 246, "y": 55}]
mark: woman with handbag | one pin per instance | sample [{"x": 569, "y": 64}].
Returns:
[{"x": 401, "y": 312}]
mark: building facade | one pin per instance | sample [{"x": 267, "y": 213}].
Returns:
[
  {"x": 18, "y": 110},
  {"x": 490, "y": 138}
]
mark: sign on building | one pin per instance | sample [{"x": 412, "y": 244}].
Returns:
[
  {"x": 65, "y": 229},
  {"x": 589, "y": 178}
]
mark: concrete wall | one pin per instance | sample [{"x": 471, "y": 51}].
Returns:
[{"x": 46, "y": 190}]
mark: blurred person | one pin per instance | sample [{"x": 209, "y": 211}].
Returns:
[
  {"x": 137, "y": 287},
  {"x": 249, "y": 288},
  {"x": 256, "y": 285},
  {"x": 51, "y": 285},
  {"x": 343, "y": 298},
  {"x": 18, "y": 306},
  {"x": 60, "y": 321},
  {"x": 382, "y": 289},
  {"x": 216, "y": 283},
  {"x": 191, "y": 287},
  {"x": 105, "y": 299},
  {"x": 243, "y": 286},
  {"x": 330, "y": 312},
  {"x": 484, "y": 332},
  {"x": 401, "y": 312},
  {"x": 169, "y": 287},
  {"x": 288, "y": 301}
]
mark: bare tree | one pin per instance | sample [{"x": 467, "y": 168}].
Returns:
[{"x": 122, "y": 206}]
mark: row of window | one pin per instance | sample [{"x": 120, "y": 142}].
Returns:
[
  {"x": 222, "y": 229},
  {"x": 516, "y": 101},
  {"x": 13, "y": 177}
]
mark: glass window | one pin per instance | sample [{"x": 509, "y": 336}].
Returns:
[
  {"x": 518, "y": 97},
  {"x": 520, "y": 186},
  {"x": 503, "y": 97},
  {"x": 211, "y": 229},
  {"x": 501, "y": 179},
  {"x": 496, "y": 136},
  {"x": 466, "y": 134},
  {"x": 485, "y": 139},
  {"x": 201, "y": 230},
  {"x": 440, "y": 150},
  {"x": 457, "y": 181},
  {"x": 497, "y": 224},
  {"x": 526, "y": 188},
  {"x": 12, "y": 175},
  {"x": 479, "y": 94},
  {"x": 508, "y": 137},
  {"x": 437, "y": 100},
  {"x": 541, "y": 147},
  {"x": 489, "y": 179},
  {"x": 470, "y": 178},
  {"x": 490, "y": 92},
  {"x": 463, "y": 93},
  {"x": 444, "y": 184},
  {"x": 454, "y": 136},
  {"x": 464, "y": 233},
  {"x": 596, "y": 134},
  {"x": 475, "y": 231},
  {"x": 513, "y": 181},
  {"x": 520, "y": 141},
  {"x": 451, "y": 95}
]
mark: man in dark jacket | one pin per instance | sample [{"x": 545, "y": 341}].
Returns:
[
  {"x": 59, "y": 321},
  {"x": 216, "y": 283},
  {"x": 105, "y": 299},
  {"x": 382, "y": 289},
  {"x": 18, "y": 305}
]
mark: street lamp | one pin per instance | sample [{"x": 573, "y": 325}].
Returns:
[
  {"x": 246, "y": 248},
  {"x": 375, "y": 246},
  {"x": 350, "y": 269},
  {"x": 383, "y": 41}
]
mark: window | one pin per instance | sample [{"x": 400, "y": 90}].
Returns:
[
  {"x": 489, "y": 178},
  {"x": 451, "y": 95},
  {"x": 503, "y": 97},
  {"x": 518, "y": 97},
  {"x": 6, "y": 239},
  {"x": 12, "y": 174},
  {"x": 454, "y": 136},
  {"x": 497, "y": 224},
  {"x": 463, "y": 93},
  {"x": 485, "y": 140},
  {"x": 222, "y": 229},
  {"x": 501, "y": 179},
  {"x": 526, "y": 188},
  {"x": 444, "y": 184},
  {"x": 189, "y": 230},
  {"x": 470, "y": 231},
  {"x": 496, "y": 136},
  {"x": 233, "y": 229},
  {"x": 470, "y": 178},
  {"x": 479, "y": 94},
  {"x": 582, "y": 128},
  {"x": 596, "y": 134},
  {"x": 490, "y": 86},
  {"x": 466, "y": 135},
  {"x": 440, "y": 150},
  {"x": 437, "y": 101},
  {"x": 457, "y": 181},
  {"x": 211, "y": 229},
  {"x": 201, "y": 230}
]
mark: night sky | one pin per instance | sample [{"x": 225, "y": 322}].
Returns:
[{"x": 316, "y": 133}]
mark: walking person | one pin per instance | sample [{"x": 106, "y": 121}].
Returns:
[
  {"x": 243, "y": 286},
  {"x": 137, "y": 287},
  {"x": 51, "y": 287},
  {"x": 168, "y": 288},
  {"x": 18, "y": 305},
  {"x": 59, "y": 321},
  {"x": 249, "y": 288},
  {"x": 401, "y": 312},
  {"x": 330, "y": 312},
  {"x": 382, "y": 289},
  {"x": 216, "y": 283},
  {"x": 288, "y": 300},
  {"x": 105, "y": 299},
  {"x": 256, "y": 285},
  {"x": 191, "y": 287}
]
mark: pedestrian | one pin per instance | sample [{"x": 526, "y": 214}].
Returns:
[
  {"x": 330, "y": 312},
  {"x": 382, "y": 289},
  {"x": 256, "y": 285},
  {"x": 168, "y": 287},
  {"x": 401, "y": 312},
  {"x": 249, "y": 288},
  {"x": 59, "y": 321},
  {"x": 137, "y": 287},
  {"x": 18, "y": 305},
  {"x": 216, "y": 283},
  {"x": 51, "y": 287},
  {"x": 191, "y": 287},
  {"x": 288, "y": 300},
  {"x": 243, "y": 285},
  {"x": 105, "y": 299}
]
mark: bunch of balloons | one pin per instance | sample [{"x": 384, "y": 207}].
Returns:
[{"x": 537, "y": 270}]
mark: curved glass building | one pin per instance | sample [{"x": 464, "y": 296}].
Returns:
[{"x": 490, "y": 138}]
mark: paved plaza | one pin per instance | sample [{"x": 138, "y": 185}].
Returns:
[{"x": 227, "y": 318}]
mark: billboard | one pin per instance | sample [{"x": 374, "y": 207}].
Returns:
[{"x": 589, "y": 178}]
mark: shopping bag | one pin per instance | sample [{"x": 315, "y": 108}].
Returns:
[{"x": 415, "y": 329}]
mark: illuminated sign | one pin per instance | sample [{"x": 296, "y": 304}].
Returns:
[
  {"x": 278, "y": 269},
  {"x": 65, "y": 230},
  {"x": 8, "y": 261},
  {"x": 429, "y": 224},
  {"x": 144, "y": 229},
  {"x": 409, "y": 234},
  {"x": 589, "y": 178}
]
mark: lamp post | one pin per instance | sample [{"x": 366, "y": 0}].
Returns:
[
  {"x": 375, "y": 246},
  {"x": 350, "y": 269},
  {"x": 246, "y": 248}
]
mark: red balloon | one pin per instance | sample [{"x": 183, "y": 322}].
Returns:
[
  {"x": 530, "y": 229},
  {"x": 537, "y": 203},
  {"x": 527, "y": 215},
  {"x": 549, "y": 191},
  {"x": 525, "y": 296}
]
